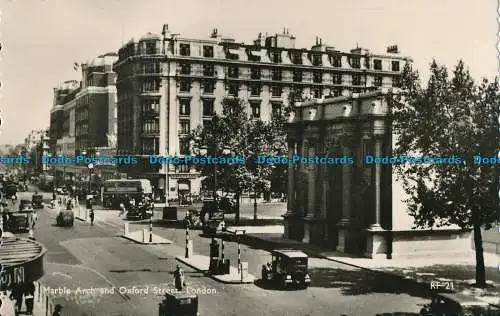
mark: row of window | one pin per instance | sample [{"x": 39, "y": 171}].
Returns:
[
  {"x": 81, "y": 115},
  {"x": 276, "y": 90},
  {"x": 296, "y": 57}
]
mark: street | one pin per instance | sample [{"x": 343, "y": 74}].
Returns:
[{"x": 96, "y": 256}]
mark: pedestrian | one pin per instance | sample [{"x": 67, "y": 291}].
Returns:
[
  {"x": 179, "y": 279},
  {"x": 123, "y": 210},
  {"x": 29, "y": 297},
  {"x": 57, "y": 310},
  {"x": 91, "y": 215},
  {"x": 17, "y": 295}
]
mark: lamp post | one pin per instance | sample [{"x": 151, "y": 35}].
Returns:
[
  {"x": 151, "y": 228},
  {"x": 91, "y": 168}
]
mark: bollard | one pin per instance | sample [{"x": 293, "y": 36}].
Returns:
[
  {"x": 144, "y": 235},
  {"x": 125, "y": 229},
  {"x": 244, "y": 271},
  {"x": 222, "y": 249},
  {"x": 189, "y": 249},
  {"x": 239, "y": 257}
]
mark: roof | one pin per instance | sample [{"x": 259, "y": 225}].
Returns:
[
  {"x": 463, "y": 299},
  {"x": 16, "y": 251},
  {"x": 291, "y": 253},
  {"x": 150, "y": 36}
]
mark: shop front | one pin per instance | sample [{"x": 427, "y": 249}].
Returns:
[{"x": 21, "y": 265}]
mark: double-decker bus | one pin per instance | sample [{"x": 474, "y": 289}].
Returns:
[{"x": 115, "y": 190}]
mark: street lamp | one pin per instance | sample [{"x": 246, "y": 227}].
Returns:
[{"x": 91, "y": 167}]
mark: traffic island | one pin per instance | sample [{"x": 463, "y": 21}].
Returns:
[
  {"x": 201, "y": 263},
  {"x": 143, "y": 237}
]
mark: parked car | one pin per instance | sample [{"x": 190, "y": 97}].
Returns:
[
  {"x": 65, "y": 218},
  {"x": 20, "y": 221},
  {"x": 287, "y": 268},
  {"x": 458, "y": 304}
]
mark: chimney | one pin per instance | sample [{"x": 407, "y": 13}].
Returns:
[{"x": 320, "y": 41}]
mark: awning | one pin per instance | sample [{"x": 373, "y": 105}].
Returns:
[
  {"x": 234, "y": 51},
  {"x": 183, "y": 187},
  {"x": 22, "y": 261}
]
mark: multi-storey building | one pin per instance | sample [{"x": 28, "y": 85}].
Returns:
[
  {"x": 83, "y": 117},
  {"x": 168, "y": 85}
]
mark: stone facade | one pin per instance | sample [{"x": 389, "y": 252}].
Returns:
[{"x": 355, "y": 208}]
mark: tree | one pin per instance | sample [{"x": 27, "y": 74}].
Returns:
[
  {"x": 245, "y": 138},
  {"x": 450, "y": 117}
]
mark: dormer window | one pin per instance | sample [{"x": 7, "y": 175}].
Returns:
[
  {"x": 232, "y": 54},
  {"x": 377, "y": 64},
  {"x": 336, "y": 61},
  {"x": 275, "y": 57},
  {"x": 208, "y": 51},
  {"x": 356, "y": 62},
  {"x": 317, "y": 60},
  {"x": 185, "y": 49},
  {"x": 151, "y": 48},
  {"x": 296, "y": 58}
]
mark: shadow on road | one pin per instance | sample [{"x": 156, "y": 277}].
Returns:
[{"x": 362, "y": 282}]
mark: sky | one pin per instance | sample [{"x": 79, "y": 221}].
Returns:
[{"x": 42, "y": 39}]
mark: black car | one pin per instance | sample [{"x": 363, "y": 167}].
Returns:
[
  {"x": 25, "y": 205},
  {"x": 139, "y": 213},
  {"x": 37, "y": 201}
]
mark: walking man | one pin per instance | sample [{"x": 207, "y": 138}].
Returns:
[{"x": 179, "y": 280}]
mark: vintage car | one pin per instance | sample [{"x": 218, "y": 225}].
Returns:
[
  {"x": 37, "y": 201},
  {"x": 139, "y": 213},
  {"x": 179, "y": 303},
  {"x": 288, "y": 268},
  {"x": 458, "y": 304},
  {"x": 20, "y": 221},
  {"x": 25, "y": 205},
  {"x": 65, "y": 218},
  {"x": 215, "y": 224}
]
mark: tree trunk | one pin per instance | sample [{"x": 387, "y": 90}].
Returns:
[
  {"x": 478, "y": 245},
  {"x": 237, "y": 215}
]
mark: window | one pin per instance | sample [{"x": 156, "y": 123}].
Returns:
[
  {"x": 317, "y": 93},
  {"x": 208, "y": 107},
  {"x": 150, "y": 146},
  {"x": 255, "y": 89},
  {"x": 396, "y": 82},
  {"x": 275, "y": 57},
  {"x": 184, "y": 146},
  {"x": 151, "y": 68},
  {"x": 184, "y": 107},
  {"x": 356, "y": 62},
  {"x": 395, "y": 66},
  {"x": 276, "y": 91},
  {"x": 356, "y": 80},
  {"x": 276, "y": 74},
  {"x": 255, "y": 73},
  {"x": 276, "y": 109},
  {"x": 337, "y": 79},
  {"x": 336, "y": 92},
  {"x": 255, "y": 110},
  {"x": 208, "y": 51},
  {"x": 233, "y": 72},
  {"x": 183, "y": 168},
  {"x": 233, "y": 88},
  {"x": 185, "y": 50},
  {"x": 208, "y": 87},
  {"x": 184, "y": 127},
  {"x": 185, "y": 69},
  {"x": 317, "y": 77},
  {"x": 151, "y": 85},
  {"x": 151, "y": 48},
  {"x": 208, "y": 70},
  {"x": 377, "y": 64},
  {"x": 378, "y": 81},
  {"x": 336, "y": 61},
  {"x": 317, "y": 60},
  {"x": 150, "y": 126},
  {"x": 296, "y": 58},
  {"x": 297, "y": 76},
  {"x": 150, "y": 106},
  {"x": 232, "y": 54},
  {"x": 185, "y": 86}
]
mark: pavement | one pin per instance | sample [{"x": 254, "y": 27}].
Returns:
[
  {"x": 201, "y": 263},
  {"x": 455, "y": 274},
  {"x": 142, "y": 237}
]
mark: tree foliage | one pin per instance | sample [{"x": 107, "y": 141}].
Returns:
[{"x": 452, "y": 116}]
